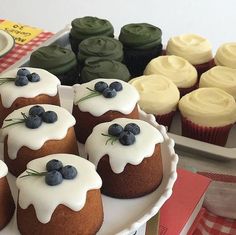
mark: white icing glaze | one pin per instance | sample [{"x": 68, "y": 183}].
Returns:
[
  {"x": 180, "y": 71},
  {"x": 221, "y": 77},
  {"x": 71, "y": 193},
  {"x": 123, "y": 102},
  {"x": 158, "y": 94},
  {"x": 192, "y": 47},
  {"x": 35, "y": 138},
  {"x": 120, "y": 155},
  {"x": 47, "y": 85},
  {"x": 3, "y": 169},
  {"x": 226, "y": 55},
  {"x": 209, "y": 106}
]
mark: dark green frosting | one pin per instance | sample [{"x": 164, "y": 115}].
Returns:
[
  {"x": 89, "y": 26},
  {"x": 100, "y": 46},
  {"x": 104, "y": 68},
  {"x": 140, "y": 36},
  {"x": 55, "y": 59}
]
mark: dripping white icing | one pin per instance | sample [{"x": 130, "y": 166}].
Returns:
[
  {"x": 124, "y": 101},
  {"x": 71, "y": 193},
  {"x": 120, "y": 155},
  {"x": 10, "y": 92},
  {"x": 3, "y": 169},
  {"x": 35, "y": 138}
]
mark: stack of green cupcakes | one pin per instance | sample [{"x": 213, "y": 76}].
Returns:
[
  {"x": 86, "y": 27},
  {"x": 142, "y": 42},
  {"x": 58, "y": 61},
  {"x": 96, "y": 67},
  {"x": 100, "y": 46}
]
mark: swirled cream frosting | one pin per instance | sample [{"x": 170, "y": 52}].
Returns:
[
  {"x": 226, "y": 55},
  {"x": 158, "y": 94},
  {"x": 221, "y": 77},
  {"x": 192, "y": 47},
  {"x": 211, "y": 107},
  {"x": 176, "y": 68}
]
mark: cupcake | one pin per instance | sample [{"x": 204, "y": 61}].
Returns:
[
  {"x": 41, "y": 130},
  {"x": 96, "y": 67},
  {"x": 59, "y": 194},
  {"x": 25, "y": 86},
  {"x": 100, "y": 46},
  {"x": 142, "y": 42},
  {"x": 102, "y": 100},
  {"x": 86, "y": 27},
  {"x": 208, "y": 115},
  {"x": 58, "y": 61},
  {"x": 226, "y": 55},
  {"x": 221, "y": 77},
  {"x": 124, "y": 151},
  {"x": 7, "y": 207},
  {"x": 177, "y": 69},
  {"x": 194, "y": 48},
  {"x": 158, "y": 96}
]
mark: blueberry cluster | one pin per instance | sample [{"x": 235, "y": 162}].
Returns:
[
  {"x": 126, "y": 135},
  {"x": 23, "y": 77},
  {"x": 37, "y": 115},
  {"x": 56, "y": 172},
  {"x": 108, "y": 91}
]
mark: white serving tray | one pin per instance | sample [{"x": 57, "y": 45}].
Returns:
[
  {"x": 183, "y": 145},
  {"x": 121, "y": 216}
]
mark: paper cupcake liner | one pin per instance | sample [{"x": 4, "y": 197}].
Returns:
[
  {"x": 213, "y": 135},
  {"x": 184, "y": 91},
  {"x": 70, "y": 77},
  {"x": 137, "y": 60},
  {"x": 202, "y": 68},
  {"x": 165, "y": 119}
]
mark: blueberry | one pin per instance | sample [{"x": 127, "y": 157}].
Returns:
[
  {"x": 53, "y": 178},
  {"x": 54, "y": 164},
  {"x": 127, "y": 138},
  {"x": 132, "y": 127},
  {"x": 36, "y": 110},
  {"x": 33, "y": 77},
  {"x": 21, "y": 81},
  {"x": 33, "y": 121},
  {"x": 116, "y": 86},
  {"x": 115, "y": 129},
  {"x": 68, "y": 172},
  {"x": 49, "y": 117},
  {"x": 100, "y": 86},
  {"x": 109, "y": 93},
  {"x": 23, "y": 72}
]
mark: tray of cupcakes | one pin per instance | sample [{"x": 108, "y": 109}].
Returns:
[
  {"x": 112, "y": 182},
  {"x": 204, "y": 126}
]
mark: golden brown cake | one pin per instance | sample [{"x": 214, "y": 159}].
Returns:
[
  {"x": 7, "y": 207},
  {"x": 36, "y": 141},
  {"x": 127, "y": 154},
  {"x": 22, "y": 87},
  {"x": 92, "y": 107},
  {"x": 71, "y": 201}
]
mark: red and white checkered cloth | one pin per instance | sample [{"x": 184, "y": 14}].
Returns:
[{"x": 20, "y": 51}]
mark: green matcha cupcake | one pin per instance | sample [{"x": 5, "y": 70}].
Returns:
[
  {"x": 86, "y": 27},
  {"x": 141, "y": 42},
  {"x": 96, "y": 67},
  {"x": 100, "y": 46},
  {"x": 58, "y": 61}
]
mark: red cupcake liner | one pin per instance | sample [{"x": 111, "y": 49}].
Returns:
[
  {"x": 184, "y": 91},
  {"x": 165, "y": 119},
  {"x": 213, "y": 135},
  {"x": 202, "y": 68}
]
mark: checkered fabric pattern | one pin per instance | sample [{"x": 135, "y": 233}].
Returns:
[
  {"x": 20, "y": 51},
  {"x": 215, "y": 225}
]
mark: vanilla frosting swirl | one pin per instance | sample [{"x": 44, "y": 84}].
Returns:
[
  {"x": 211, "y": 107},
  {"x": 176, "y": 68},
  {"x": 221, "y": 77},
  {"x": 3, "y": 169},
  {"x": 226, "y": 55},
  {"x": 192, "y": 47},
  {"x": 158, "y": 94}
]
